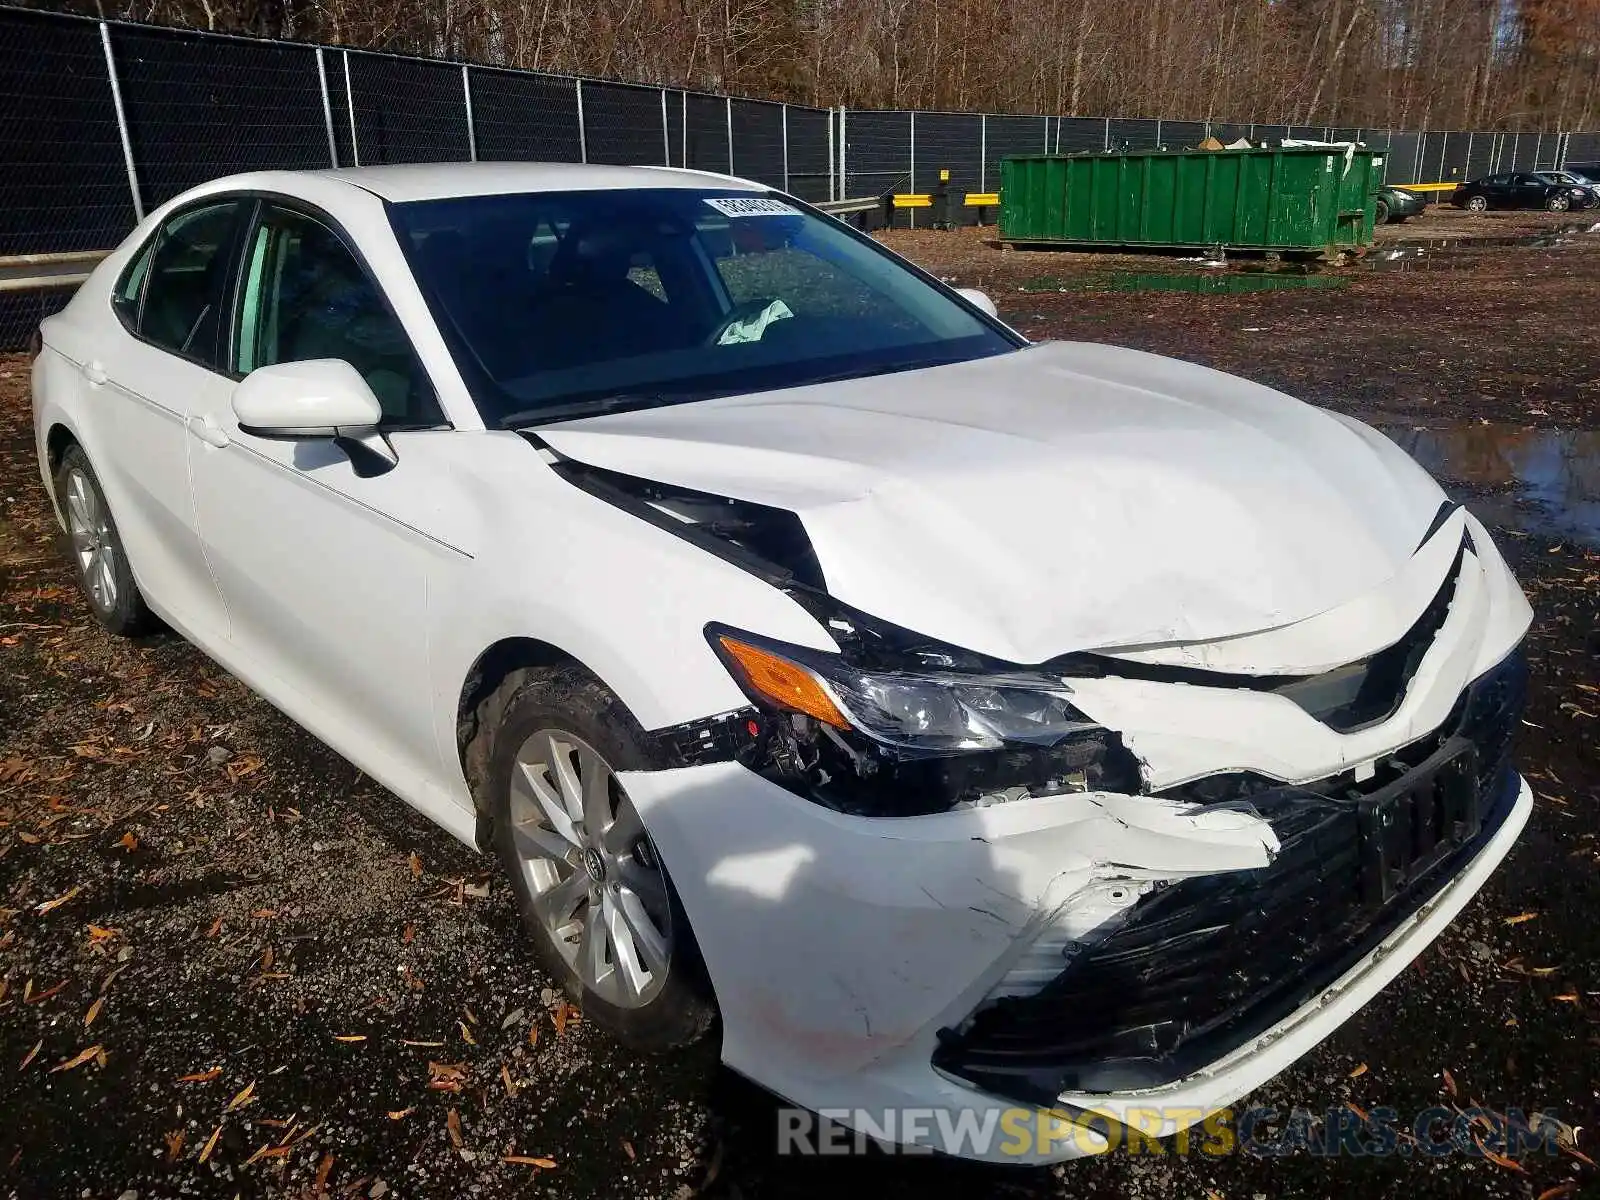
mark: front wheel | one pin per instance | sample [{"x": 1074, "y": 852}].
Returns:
[
  {"x": 1477, "y": 204},
  {"x": 1558, "y": 203},
  {"x": 594, "y": 894}
]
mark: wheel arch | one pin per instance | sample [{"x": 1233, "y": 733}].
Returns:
[
  {"x": 56, "y": 440},
  {"x": 488, "y": 672}
]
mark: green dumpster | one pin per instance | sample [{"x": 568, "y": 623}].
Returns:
[{"x": 1307, "y": 199}]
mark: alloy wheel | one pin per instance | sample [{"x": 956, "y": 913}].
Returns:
[
  {"x": 93, "y": 544},
  {"x": 597, "y": 885}
]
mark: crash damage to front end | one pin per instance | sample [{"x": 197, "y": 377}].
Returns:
[{"x": 1140, "y": 876}]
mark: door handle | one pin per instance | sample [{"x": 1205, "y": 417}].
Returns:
[
  {"x": 208, "y": 431},
  {"x": 95, "y": 373}
]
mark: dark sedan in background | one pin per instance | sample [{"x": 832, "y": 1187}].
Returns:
[{"x": 1553, "y": 191}]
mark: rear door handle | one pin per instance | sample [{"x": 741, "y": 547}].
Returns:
[
  {"x": 208, "y": 431},
  {"x": 95, "y": 373}
]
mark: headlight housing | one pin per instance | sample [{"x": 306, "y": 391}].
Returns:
[{"x": 900, "y": 740}]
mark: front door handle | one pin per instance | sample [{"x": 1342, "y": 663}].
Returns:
[
  {"x": 208, "y": 431},
  {"x": 95, "y": 373}
]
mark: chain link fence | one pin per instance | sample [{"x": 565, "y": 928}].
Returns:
[{"x": 101, "y": 122}]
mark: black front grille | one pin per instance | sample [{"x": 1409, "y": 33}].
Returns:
[{"x": 1206, "y": 964}]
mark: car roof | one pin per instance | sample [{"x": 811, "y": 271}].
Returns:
[{"x": 437, "y": 181}]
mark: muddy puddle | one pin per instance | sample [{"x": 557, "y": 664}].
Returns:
[
  {"x": 1218, "y": 283},
  {"x": 1540, "y": 481}
]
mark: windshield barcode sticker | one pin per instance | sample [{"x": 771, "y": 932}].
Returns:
[{"x": 750, "y": 206}]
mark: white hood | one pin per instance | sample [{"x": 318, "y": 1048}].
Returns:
[{"x": 1064, "y": 497}]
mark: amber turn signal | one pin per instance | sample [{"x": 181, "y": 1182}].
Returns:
[{"x": 783, "y": 683}]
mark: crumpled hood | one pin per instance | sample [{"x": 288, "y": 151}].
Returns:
[{"x": 1068, "y": 496}]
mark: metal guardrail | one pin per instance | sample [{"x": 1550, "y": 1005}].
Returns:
[
  {"x": 31, "y": 272},
  {"x": 841, "y": 208}
]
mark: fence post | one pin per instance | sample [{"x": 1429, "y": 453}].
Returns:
[
  {"x": 983, "y": 152},
  {"x": 844, "y": 156},
  {"x": 472, "y": 129},
  {"x": 911, "y": 185},
  {"x": 1158, "y": 133},
  {"x": 785, "y": 110},
  {"x": 666, "y": 135},
  {"x": 728, "y": 104},
  {"x": 327, "y": 110},
  {"x": 833, "y": 176},
  {"x": 583, "y": 133},
  {"x": 350, "y": 107},
  {"x": 122, "y": 122},
  {"x": 684, "y": 120},
  {"x": 1108, "y": 134}
]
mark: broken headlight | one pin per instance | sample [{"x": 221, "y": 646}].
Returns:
[
  {"x": 888, "y": 741},
  {"x": 913, "y": 710}
]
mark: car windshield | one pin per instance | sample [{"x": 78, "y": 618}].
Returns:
[{"x": 558, "y": 304}]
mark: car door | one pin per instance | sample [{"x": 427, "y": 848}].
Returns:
[
  {"x": 162, "y": 359},
  {"x": 325, "y": 573},
  {"x": 1527, "y": 191}
]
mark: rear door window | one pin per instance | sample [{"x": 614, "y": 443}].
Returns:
[{"x": 185, "y": 277}]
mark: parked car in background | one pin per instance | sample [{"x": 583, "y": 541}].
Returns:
[
  {"x": 1589, "y": 171},
  {"x": 1524, "y": 189},
  {"x": 1396, "y": 204},
  {"x": 976, "y": 726}
]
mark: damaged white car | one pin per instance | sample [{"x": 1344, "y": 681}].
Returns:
[{"x": 971, "y": 725}]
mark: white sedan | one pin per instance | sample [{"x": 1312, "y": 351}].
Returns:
[{"x": 975, "y": 727}]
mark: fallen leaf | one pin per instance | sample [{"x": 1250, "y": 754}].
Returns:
[
  {"x": 416, "y": 865},
  {"x": 452, "y": 1124},
  {"x": 1520, "y": 918},
  {"x": 446, "y": 1077},
  {"x": 1359, "y": 1071},
  {"x": 430, "y": 1045},
  {"x": 349, "y": 1037},
  {"x": 1561, "y": 1189},
  {"x": 544, "y": 1164},
  {"x": 29, "y": 996},
  {"x": 201, "y": 1076},
  {"x": 243, "y": 1098},
  {"x": 211, "y": 1143},
  {"x": 29, "y": 839},
  {"x": 409, "y": 933},
  {"x": 128, "y": 841},
  {"x": 401, "y": 1114},
  {"x": 31, "y": 1055},
  {"x": 324, "y": 1169},
  {"x": 533, "y": 1034},
  {"x": 267, "y": 1151},
  {"x": 1567, "y": 997},
  {"x": 1449, "y": 1083},
  {"x": 52, "y": 905},
  {"x": 264, "y": 914},
  {"x": 94, "y": 1011},
  {"x": 175, "y": 1144},
  {"x": 77, "y": 1060},
  {"x": 466, "y": 1034},
  {"x": 1499, "y": 1160},
  {"x": 627, "y": 1148},
  {"x": 98, "y": 934},
  {"x": 216, "y": 928},
  {"x": 505, "y": 1078}
]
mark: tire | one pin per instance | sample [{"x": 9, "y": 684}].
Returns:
[
  {"x": 1477, "y": 204},
  {"x": 1558, "y": 203},
  {"x": 1380, "y": 213},
  {"x": 98, "y": 558},
  {"x": 617, "y": 872}
]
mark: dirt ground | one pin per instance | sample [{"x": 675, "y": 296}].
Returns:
[{"x": 232, "y": 965}]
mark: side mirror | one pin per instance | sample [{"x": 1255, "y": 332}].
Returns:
[
  {"x": 317, "y": 398},
  {"x": 979, "y": 300}
]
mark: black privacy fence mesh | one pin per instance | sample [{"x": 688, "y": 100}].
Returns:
[{"x": 103, "y": 121}]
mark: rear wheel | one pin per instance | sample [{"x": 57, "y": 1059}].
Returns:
[
  {"x": 1560, "y": 202},
  {"x": 1380, "y": 212},
  {"x": 98, "y": 558},
  {"x": 1477, "y": 204},
  {"x": 592, "y": 890}
]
